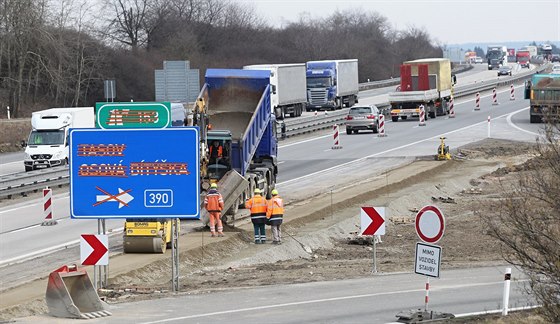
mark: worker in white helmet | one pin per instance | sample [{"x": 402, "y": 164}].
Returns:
[
  {"x": 214, "y": 203},
  {"x": 275, "y": 213}
]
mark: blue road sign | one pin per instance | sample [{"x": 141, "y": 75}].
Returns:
[{"x": 135, "y": 173}]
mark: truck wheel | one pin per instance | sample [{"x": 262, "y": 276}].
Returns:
[
  {"x": 533, "y": 119},
  {"x": 432, "y": 114},
  {"x": 395, "y": 119},
  {"x": 404, "y": 117},
  {"x": 348, "y": 131},
  {"x": 27, "y": 169}
]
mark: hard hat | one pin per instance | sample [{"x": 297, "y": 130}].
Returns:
[
  {"x": 214, "y": 185},
  {"x": 257, "y": 191},
  {"x": 274, "y": 192}
]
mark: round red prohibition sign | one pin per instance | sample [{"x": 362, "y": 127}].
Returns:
[{"x": 430, "y": 224}]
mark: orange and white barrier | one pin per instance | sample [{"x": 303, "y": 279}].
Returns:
[
  {"x": 381, "y": 126},
  {"x": 512, "y": 93},
  {"x": 422, "y": 116},
  {"x": 451, "y": 108},
  {"x": 336, "y": 135},
  {"x": 47, "y": 208},
  {"x": 477, "y": 101},
  {"x": 494, "y": 97}
]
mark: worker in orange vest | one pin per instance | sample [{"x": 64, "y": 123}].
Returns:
[
  {"x": 214, "y": 203},
  {"x": 216, "y": 151},
  {"x": 258, "y": 206},
  {"x": 274, "y": 213}
]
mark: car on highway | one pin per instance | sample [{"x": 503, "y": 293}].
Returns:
[
  {"x": 478, "y": 60},
  {"x": 504, "y": 70},
  {"x": 362, "y": 118},
  {"x": 555, "y": 69},
  {"x": 555, "y": 58}
]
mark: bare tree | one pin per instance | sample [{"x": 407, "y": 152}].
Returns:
[
  {"x": 528, "y": 222},
  {"x": 128, "y": 24}
]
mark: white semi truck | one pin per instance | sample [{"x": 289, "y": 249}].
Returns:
[
  {"x": 47, "y": 145},
  {"x": 288, "y": 82}
]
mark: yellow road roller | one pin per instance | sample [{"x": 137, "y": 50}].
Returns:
[{"x": 147, "y": 235}]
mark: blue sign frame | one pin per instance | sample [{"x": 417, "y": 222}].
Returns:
[{"x": 135, "y": 173}]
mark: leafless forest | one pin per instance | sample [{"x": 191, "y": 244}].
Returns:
[{"x": 56, "y": 53}]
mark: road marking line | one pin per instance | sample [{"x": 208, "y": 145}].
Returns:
[
  {"x": 314, "y": 301},
  {"x": 43, "y": 252},
  {"x": 519, "y": 128},
  {"x": 391, "y": 150},
  {"x": 40, "y": 202},
  {"x": 515, "y": 309}
]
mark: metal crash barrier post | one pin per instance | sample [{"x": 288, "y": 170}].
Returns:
[{"x": 70, "y": 294}]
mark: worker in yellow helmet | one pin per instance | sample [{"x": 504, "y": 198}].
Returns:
[
  {"x": 258, "y": 205},
  {"x": 275, "y": 213},
  {"x": 214, "y": 203}
]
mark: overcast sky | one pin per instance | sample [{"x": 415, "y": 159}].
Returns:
[{"x": 447, "y": 21}]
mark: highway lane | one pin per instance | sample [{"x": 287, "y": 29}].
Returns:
[
  {"x": 375, "y": 299},
  {"x": 301, "y": 160}
]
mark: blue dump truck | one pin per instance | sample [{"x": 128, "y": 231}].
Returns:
[
  {"x": 332, "y": 84},
  {"x": 543, "y": 91},
  {"x": 238, "y": 135}
]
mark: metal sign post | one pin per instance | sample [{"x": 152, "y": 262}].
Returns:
[
  {"x": 175, "y": 256},
  {"x": 374, "y": 270},
  {"x": 372, "y": 221}
]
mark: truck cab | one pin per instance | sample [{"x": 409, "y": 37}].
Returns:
[
  {"x": 47, "y": 145},
  {"x": 321, "y": 87}
]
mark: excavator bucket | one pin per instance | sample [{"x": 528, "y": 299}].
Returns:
[{"x": 70, "y": 294}]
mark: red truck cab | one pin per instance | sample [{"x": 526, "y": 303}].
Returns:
[{"x": 523, "y": 58}]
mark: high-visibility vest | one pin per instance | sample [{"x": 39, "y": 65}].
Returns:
[
  {"x": 275, "y": 208},
  {"x": 219, "y": 153},
  {"x": 213, "y": 201},
  {"x": 258, "y": 206}
]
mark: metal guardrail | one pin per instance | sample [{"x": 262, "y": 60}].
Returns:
[{"x": 22, "y": 183}]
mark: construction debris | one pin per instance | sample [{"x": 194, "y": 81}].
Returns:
[
  {"x": 401, "y": 220},
  {"x": 447, "y": 200},
  {"x": 472, "y": 191}
]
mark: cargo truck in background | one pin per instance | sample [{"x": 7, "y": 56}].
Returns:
[
  {"x": 523, "y": 58},
  {"x": 496, "y": 56},
  {"x": 47, "y": 145},
  {"x": 533, "y": 50},
  {"x": 288, "y": 82},
  {"x": 511, "y": 57},
  {"x": 426, "y": 82},
  {"x": 543, "y": 92},
  {"x": 233, "y": 111},
  {"x": 332, "y": 84}
]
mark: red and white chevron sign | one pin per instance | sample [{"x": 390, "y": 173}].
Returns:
[{"x": 94, "y": 249}]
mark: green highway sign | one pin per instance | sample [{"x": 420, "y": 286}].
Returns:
[{"x": 112, "y": 115}]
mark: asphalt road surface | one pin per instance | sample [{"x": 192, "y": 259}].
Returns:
[{"x": 376, "y": 299}]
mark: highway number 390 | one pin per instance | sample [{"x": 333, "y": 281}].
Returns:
[{"x": 158, "y": 198}]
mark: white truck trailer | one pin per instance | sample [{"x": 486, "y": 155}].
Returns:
[
  {"x": 288, "y": 83},
  {"x": 47, "y": 145}
]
